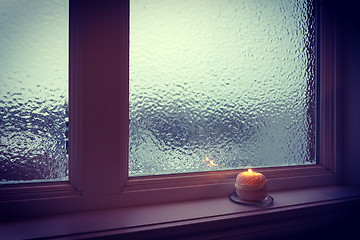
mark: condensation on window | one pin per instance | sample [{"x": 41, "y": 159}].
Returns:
[
  {"x": 218, "y": 85},
  {"x": 34, "y": 90}
]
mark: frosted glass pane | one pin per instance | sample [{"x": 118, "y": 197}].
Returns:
[
  {"x": 34, "y": 90},
  {"x": 228, "y": 81}
]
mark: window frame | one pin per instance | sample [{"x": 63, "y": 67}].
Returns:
[{"x": 99, "y": 33}]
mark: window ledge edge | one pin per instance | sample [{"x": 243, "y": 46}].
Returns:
[{"x": 195, "y": 217}]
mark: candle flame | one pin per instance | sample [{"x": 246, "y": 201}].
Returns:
[
  {"x": 250, "y": 171},
  {"x": 211, "y": 162}
]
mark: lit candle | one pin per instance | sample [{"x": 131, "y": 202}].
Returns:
[{"x": 251, "y": 186}]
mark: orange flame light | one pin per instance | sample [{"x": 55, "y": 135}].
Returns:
[
  {"x": 211, "y": 162},
  {"x": 250, "y": 171}
]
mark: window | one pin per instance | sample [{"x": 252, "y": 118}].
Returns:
[
  {"x": 34, "y": 90},
  {"x": 99, "y": 120},
  {"x": 220, "y": 85}
]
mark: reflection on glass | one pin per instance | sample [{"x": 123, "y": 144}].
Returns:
[
  {"x": 34, "y": 90},
  {"x": 220, "y": 85}
]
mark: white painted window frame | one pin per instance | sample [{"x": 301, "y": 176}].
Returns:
[{"x": 99, "y": 129}]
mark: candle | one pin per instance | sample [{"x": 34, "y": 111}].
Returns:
[{"x": 251, "y": 186}]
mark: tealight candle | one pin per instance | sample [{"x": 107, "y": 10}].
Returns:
[{"x": 251, "y": 186}]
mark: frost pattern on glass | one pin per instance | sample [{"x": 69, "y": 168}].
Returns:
[
  {"x": 34, "y": 92},
  {"x": 220, "y": 85}
]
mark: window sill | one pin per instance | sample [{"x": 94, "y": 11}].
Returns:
[{"x": 295, "y": 209}]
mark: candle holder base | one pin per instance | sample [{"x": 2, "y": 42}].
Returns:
[{"x": 266, "y": 202}]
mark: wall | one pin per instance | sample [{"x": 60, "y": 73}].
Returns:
[{"x": 350, "y": 49}]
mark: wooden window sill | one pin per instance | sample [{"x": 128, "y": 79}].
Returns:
[{"x": 307, "y": 208}]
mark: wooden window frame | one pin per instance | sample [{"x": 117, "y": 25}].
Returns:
[{"x": 98, "y": 72}]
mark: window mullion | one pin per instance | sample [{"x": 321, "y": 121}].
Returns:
[{"x": 100, "y": 136}]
